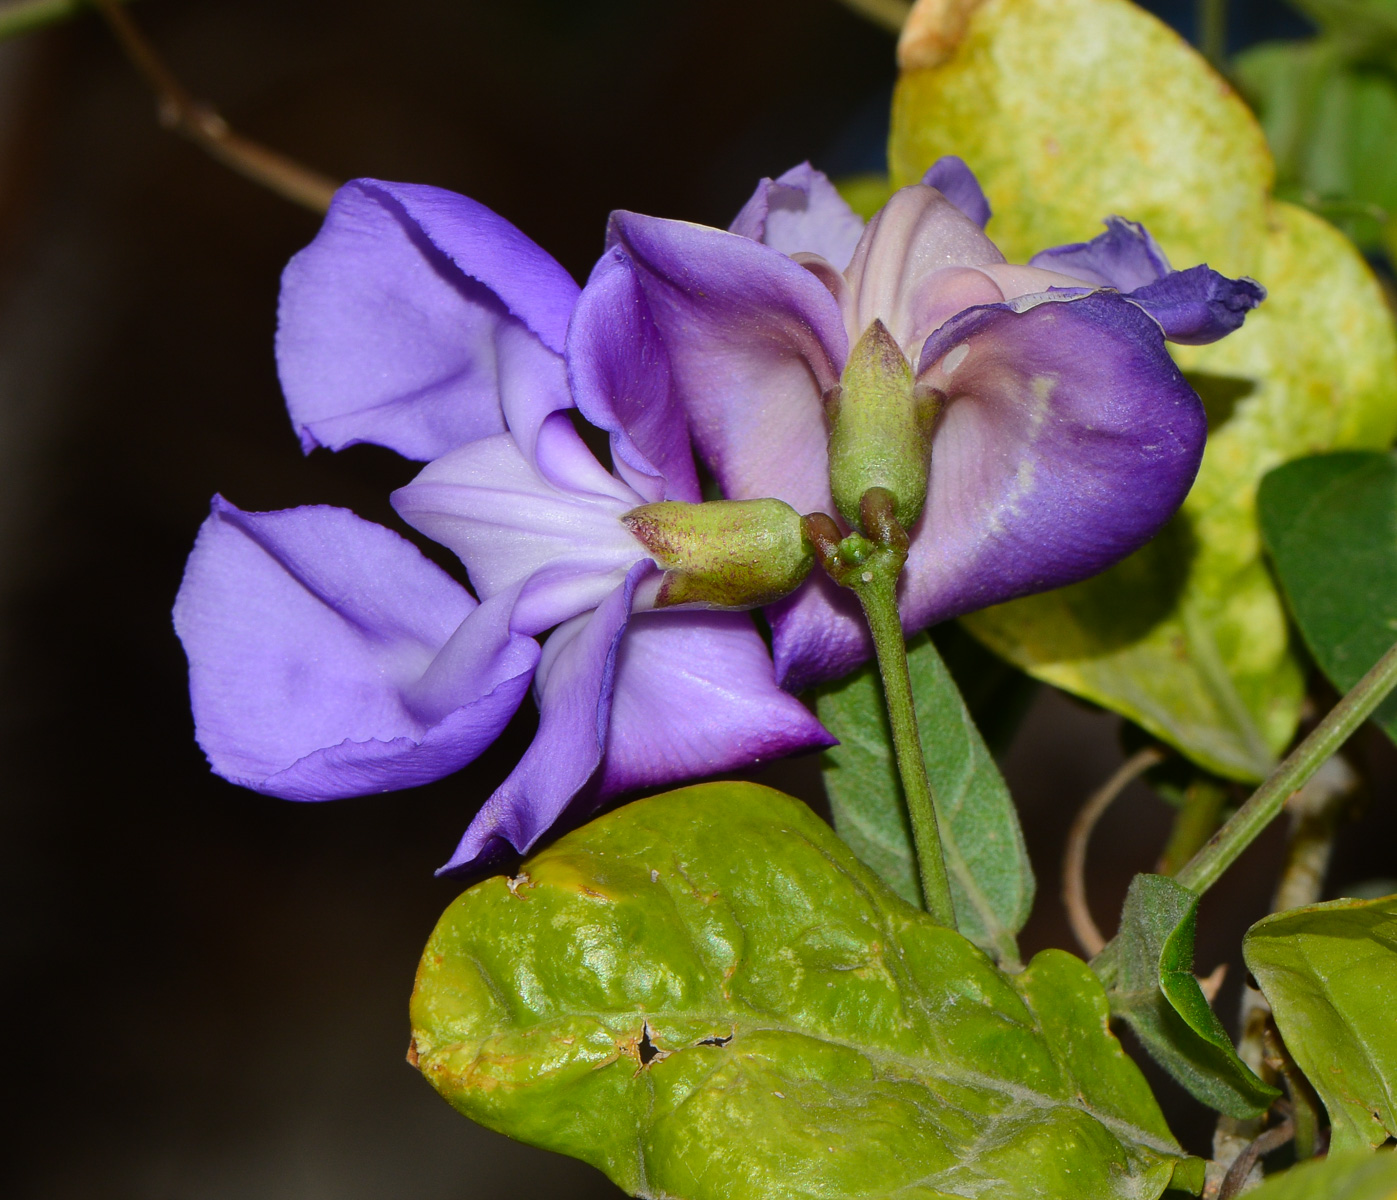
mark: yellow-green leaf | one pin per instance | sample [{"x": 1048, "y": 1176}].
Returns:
[
  {"x": 1339, "y": 1177},
  {"x": 1070, "y": 110},
  {"x": 1329, "y": 972},
  {"x": 707, "y": 996}
]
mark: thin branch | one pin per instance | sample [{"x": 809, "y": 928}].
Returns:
[
  {"x": 24, "y": 16},
  {"x": 1074, "y": 859},
  {"x": 180, "y": 111},
  {"x": 1273, "y": 1139},
  {"x": 1212, "y": 31},
  {"x": 1223, "y": 848},
  {"x": 886, "y": 14}
]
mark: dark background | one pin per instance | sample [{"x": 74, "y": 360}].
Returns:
[{"x": 205, "y": 990}]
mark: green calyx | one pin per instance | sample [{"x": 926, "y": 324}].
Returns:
[
  {"x": 724, "y": 553},
  {"x": 880, "y": 429}
]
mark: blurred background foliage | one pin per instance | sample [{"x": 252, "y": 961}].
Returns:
[
  {"x": 1328, "y": 104},
  {"x": 207, "y": 989}
]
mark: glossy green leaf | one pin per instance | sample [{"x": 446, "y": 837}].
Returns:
[
  {"x": 1330, "y": 524},
  {"x": 1338, "y": 1177},
  {"x": 707, "y": 996},
  {"x": 983, "y": 846},
  {"x": 1155, "y": 991},
  {"x": 1188, "y": 638},
  {"x": 1330, "y": 974},
  {"x": 1332, "y": 124}
]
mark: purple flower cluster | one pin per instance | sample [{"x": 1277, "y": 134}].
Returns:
[{"x": 329, "y": 658}]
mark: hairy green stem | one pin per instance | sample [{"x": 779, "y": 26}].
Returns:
[
  {"x": 1266, "y": 803},
  {"x": 878, "y": 596},
  {"x": 869, "y": 567},
  {"x": 24, "y": 16}
]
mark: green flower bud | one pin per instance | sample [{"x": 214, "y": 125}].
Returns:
[
  {"x": 724, "y": 553},
  {"x": 880, "y": 429}
]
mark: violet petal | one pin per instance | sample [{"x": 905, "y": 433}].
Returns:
[
  {"x": 1125, "y": 257},
  {"x": 695, "y": 695},
  {"x": 801, "y": 212},
  {"x": 312, "y": 636},
  {"x": 1068, "y": 438},
  {"x": 409, "y": 318},
  {"x": 817, "y": 633},
  {"x": 754, "y": 341},
  {"x": 1198, "y": 306},
  {"x": 622, "y": 383},
  {"x": 574, "y": 688},
  {"x": 950, "y": 176}
]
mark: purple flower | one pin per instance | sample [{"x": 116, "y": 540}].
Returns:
[
  {"x": 1067, "y": 435},
  {"x": 329, "y": 658}
]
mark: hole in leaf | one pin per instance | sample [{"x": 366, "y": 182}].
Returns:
[
  {"x": 646, "y": 1048},
  {"x": 715, "y": 1041}
]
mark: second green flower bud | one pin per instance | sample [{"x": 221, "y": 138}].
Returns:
[
  {"x": 724, "y": 553},
  {"x": 880, "y": 429}
]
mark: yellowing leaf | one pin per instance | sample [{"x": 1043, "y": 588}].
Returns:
[{"x": 1071, "y": 110}]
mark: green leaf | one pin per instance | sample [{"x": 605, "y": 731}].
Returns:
[
  {"x": 1330, "y": 974},
  {"x": 707, "y": 996},
  {"x": 1332, "y": 124},
  {"x": 1330, "y": 524},
  {"x": 991, "y": 879},
  {"x": 1188, "y": 638},
  {"x": 1155, "y": 991},
  {"x": 1338, "y": 1177},
  {"x": 865, "y": 194},
  {"x": 1366, "y": 28}
]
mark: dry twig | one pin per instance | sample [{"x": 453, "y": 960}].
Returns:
[
  {"x": 1074, "y": 859},
  {"x": 202, "y": 125},
  {"x": 1237, "y": 1173}
]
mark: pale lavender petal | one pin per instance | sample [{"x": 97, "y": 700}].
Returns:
[
  {"x": 507, "y": 522},
  {"x": 574, "y": 687},
  {"x": 1199, "y": 306},
  {"x": 313, "y": 638},
  {"x": 413, "y": 316},
  {"x": 1068, "y": 439},
  {"x": 905, "y": 251},
  {"x": 1125, "y": 257},
  {"x": 695, "y": 695},
  {"x": 621, "y": 382},
  {"x": 754, "y": 341},
  {"x": 801, "y": 212},
  {"x": 1014, "y": 281},
  {"x": 950, "y": 176}
]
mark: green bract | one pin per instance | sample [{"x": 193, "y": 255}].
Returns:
[
  {"x": 1330, "y": 523},
  {"x": 1070, "y": 110},
  {"x": 1154, "y": 989},
  {"x": 707, "y": 996},
  {"x": 991, "y": 880},
  {"x": 879, "y": 429},
  {"x": 723, "y": 553},
  {"x": 1330, "y": 974}
]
